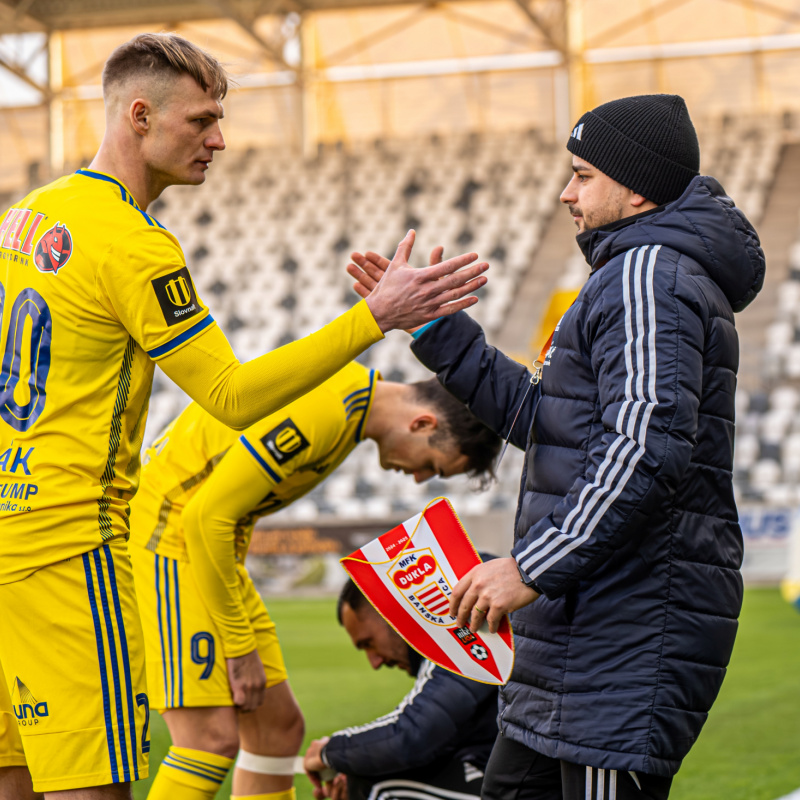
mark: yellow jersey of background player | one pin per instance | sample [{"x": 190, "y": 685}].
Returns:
[{"x": 203, "y": 488}]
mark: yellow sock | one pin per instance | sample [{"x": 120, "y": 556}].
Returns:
[
  {"x": 187, "y": 774},
  {"x": 286, "y": 794}
]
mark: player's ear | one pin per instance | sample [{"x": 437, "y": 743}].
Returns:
[
  {"x": 424, "y": 423},
  {"x": 637, "y": 200},
  {"x": 140, "y": 116}
]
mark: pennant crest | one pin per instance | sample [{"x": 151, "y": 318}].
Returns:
[{"x": 408, "y": 575}]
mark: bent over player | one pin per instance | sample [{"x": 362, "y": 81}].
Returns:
[
  {"x": 93, "y": 291},
  {"x": 212, "y": 650},
  {"x": 433, "y": 746}
]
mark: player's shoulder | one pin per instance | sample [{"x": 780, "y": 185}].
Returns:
[
  {"x": 96, "y": 209},
  {"x": 93, "y": 183},
  {"x": 353, "y": 383}
]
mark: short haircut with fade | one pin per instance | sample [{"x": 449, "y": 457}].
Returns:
[
  {"x": 460, "y": 426},
  {"x": 352, "y": 596},
  {"x": 165, "y": 55}
]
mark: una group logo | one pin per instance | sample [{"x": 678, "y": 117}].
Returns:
[
  {"x": 27, "y": 709},
  {"x": 54, "y": 249}
]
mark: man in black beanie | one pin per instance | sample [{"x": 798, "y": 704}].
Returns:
[{"x": 624, "y": 577}]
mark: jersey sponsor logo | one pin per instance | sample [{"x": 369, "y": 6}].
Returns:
[
  {"x": 27, "y": 709},
  {"x": 54, "y": 249},
  {"x": 13, "y": 226},
  {"x": 285, "y": 441},
  {"x": 14, "y": 458},
  {"x": 176, "y": 296}
]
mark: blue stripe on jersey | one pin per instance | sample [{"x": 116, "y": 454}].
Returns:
[
  {"x": 178, "y": 625},
  {"x": 126, "y": 661},
  {"x": 126, "y": 196},
  {"x": 360, "y": 428},
  {"x": 172, "y": 344},
  {"x": 146, "y": 218},
  {"x": 171, "y": 699},
  {"x": 161, "y": 627},
  {"x": 168, "y": 763},
  {"x": 112, "y": 652},
  {"x": 362, "y": 398},
  {"x": 101, "y": 660},
  {"x": 361, "y": 394},
  {"x": 266, "y": 467},
  {"x": 362, "y": 407},
  {"x": 100, "y": 177}
]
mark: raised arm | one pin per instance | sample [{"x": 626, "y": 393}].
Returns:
[
  {"x": 493, "y": 386},
  {"x": 159, "y": 307}
]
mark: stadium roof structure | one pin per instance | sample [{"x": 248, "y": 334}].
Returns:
[{"x": 345, "y": 70}]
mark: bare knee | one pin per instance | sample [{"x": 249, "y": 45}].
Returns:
[
  {"x": 295, "y": 729},
  {"x": 212, "y": 730},
  {"x": 221, "y": 742},
  {"x": 277, "y": 728}
]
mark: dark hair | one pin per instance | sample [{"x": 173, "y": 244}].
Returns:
[
  {"x": 459, "y": 425},
  {"x": 165, "y": 53},
  {"x": 351, "y": 595}
]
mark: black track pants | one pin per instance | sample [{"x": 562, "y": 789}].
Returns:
[{"x": 515, "y": 772}]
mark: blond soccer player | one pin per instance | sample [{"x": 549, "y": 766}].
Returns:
[{"x": 93, "y": 292}]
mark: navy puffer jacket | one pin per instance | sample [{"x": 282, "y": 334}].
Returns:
[{"x": 626, "y": 520}]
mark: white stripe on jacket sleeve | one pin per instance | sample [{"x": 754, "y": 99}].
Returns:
[{"x": 632, "y": 422}]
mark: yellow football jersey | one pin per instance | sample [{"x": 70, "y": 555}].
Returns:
[
  {"x": 294, "y": 449},
  {"x": 92, "y": 290}
]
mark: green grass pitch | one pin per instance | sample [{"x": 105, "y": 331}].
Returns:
[{"x": 749, "y": 748}]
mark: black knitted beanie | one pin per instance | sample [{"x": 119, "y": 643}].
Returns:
[{"x": 647, "y": 143}]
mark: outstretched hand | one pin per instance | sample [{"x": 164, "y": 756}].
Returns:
[
  {"x": 487, "y": 592},
  {"x": 402, "y": 297}
]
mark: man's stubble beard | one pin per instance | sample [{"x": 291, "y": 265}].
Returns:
[{"x": 611, "y": 212}]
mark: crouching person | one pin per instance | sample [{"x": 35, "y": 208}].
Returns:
[{"x": 435, "y": 744}]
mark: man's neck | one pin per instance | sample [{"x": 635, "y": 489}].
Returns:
[
  {"x": 388, "y": 400},
  {"x": 129, "y": 170}
]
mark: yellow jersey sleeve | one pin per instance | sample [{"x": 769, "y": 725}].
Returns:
[
  {"x": 209, "y": 527},
  {"x": 292, "y": 440},
  {"x": 144, "y": 282},
  {"x": 298, "y": 437},
  {"x": 240, "y": 394}
]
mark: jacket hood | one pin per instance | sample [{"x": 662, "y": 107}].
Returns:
[{"x": 704, "y": 224}]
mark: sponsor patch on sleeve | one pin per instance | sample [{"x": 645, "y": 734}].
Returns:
[
  {"x": 285, "y": 441},
  {"x": 176, "y": 296}
]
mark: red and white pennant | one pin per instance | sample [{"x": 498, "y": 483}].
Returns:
[{"x": 408, "y": 574}]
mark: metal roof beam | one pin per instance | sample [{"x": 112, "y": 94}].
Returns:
[
  {"x": 20, "y": 72},
  {"x": 229, "y": 10},
  {"x": 782, "y": 14},
  {"x": 17, "y": 19},
  {"x": 554, "y": 39},
  {"x": 636, "y": 20},
  {"x": 711, "y": 47}
]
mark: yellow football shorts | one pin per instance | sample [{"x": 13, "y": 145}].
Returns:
[
  {"x": 185, "y": 662},
  {"x": 11, "y": 754},
  {"x": 72, "y": 651}
]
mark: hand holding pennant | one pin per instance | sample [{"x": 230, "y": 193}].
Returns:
[{"x": 408, "y": 575}]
